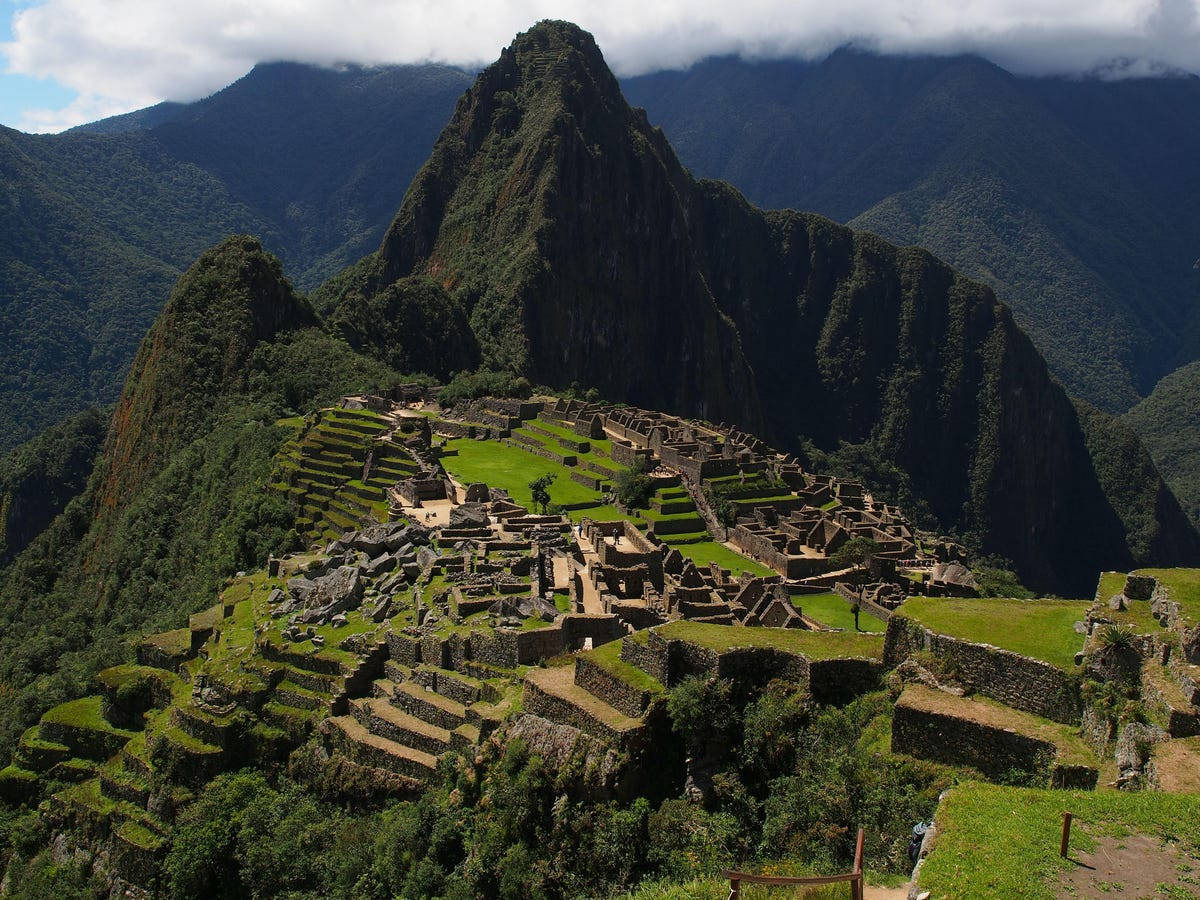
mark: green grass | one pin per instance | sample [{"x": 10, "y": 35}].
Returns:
[
  {"x": 1183, "y": 586},
  {"x": 606, "y": 513},
  {"x": 1043, "y": 629},
  {"x": 511, "y": 468},
  {"x": 83, "y": 713},
  {"x": 834, "y": 610},
  {"x": 998, "y": 841},
  {"x": 562, "y": 601},
  {"x": 813, "y": 644},
  {"x": 1136, "y": 613},
  {"x": 710, "y": 551},
  {"x": 608, "y": 657}
]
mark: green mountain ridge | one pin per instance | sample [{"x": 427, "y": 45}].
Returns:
[
  {"x": 99, "y": 222},
  {"x": 177, "y": 500},
  {"x": 1168, "y": 422},
  {"x": 1068, "y": 196}
]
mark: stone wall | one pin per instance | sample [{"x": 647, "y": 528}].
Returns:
[
  {"x": 1018, "y": 681},
  {"x": 961, "y": 742},
  {"x": 650, "y": 657},
  {"x": 838, "y": 681},
  {"x": 621, "y": 695}
]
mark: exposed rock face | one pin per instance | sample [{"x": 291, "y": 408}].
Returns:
[{"x": 586, "y": 253}]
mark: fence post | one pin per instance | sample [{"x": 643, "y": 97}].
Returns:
[
  {"x": 735, "y": 889},
  {"x": 1066, "y": 835},
  {"x": 856, "y": 886}
]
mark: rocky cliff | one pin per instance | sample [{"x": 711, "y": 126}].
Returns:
[{"x": 584, "y": 252}]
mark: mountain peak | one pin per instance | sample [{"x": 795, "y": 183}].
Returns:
[{"x": 233, "y": 298}]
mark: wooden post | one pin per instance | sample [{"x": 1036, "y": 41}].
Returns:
[
  {"x": 735, "y": 889},
  {"x": 856, "y": 886},
  {"x": 1066, "y": 835}
]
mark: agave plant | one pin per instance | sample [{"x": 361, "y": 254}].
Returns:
[{"x": 1116, "y": 637}]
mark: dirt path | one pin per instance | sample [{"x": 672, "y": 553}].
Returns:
[
  {"x": 1136, "y": 865},
  {"x": 591, "y": 597}
]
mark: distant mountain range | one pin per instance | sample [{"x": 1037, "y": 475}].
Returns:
[
  {"x": 1072, "y": 198},
  {"x": 99, "y": 222}
]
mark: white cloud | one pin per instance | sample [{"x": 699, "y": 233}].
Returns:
[{"x": 123, "y": 54}]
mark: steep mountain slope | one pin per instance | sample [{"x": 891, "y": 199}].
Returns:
[
  {"x": 177, "y": 499},
  {"x": 1070, "y": 197},
  {"x": 585, "y": 252},
  {"x": 1168, "y": 422},
  {"x": 40, "y": 477},
  {"x": 100, "y": 221}
]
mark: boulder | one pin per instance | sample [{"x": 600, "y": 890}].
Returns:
[
  {"x": 477, "y": 492},
  {"x": 382, "y": 610},
  {"x": 339, "y": 621},
  {"x": 301, "y": 588},
  {"x": 469, "y": 515},
  {"x": 1140, "y": 587},
  {"x": 336, "y": 592},
  {"x": 372, "y": 540},
  {"x": 380, "y": 565}
]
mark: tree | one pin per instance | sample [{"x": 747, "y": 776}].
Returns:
[
  {"x": 634, "y": 486},
  {"x": 540, "y": 488},
  {"x": 854, "y": 552},
  {"x": 723, "y": 508}
]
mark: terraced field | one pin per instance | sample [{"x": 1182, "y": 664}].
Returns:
[{"x": 325, "y": 472}]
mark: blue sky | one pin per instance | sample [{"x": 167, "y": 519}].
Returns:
[{"x": 19, "y": 93}]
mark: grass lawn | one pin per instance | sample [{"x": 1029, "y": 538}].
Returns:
[
  {"x": 1136, "y": 613},
  {"x": 1183, "y": 586},
  {"x": 511, "y": 468},
  {"x": 1043, "y": 629},
  {"x": 710, "y": 551},
  {"x": 606, "y": 513},
  {"x": 608, "y": 657},
  {"x": 834, "y": 610},
  {"x": 996, "y": 841},
  {"x": 86, "y": 712},
  {"x": 813, "y": 644}
]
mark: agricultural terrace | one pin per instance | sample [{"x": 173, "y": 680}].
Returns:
[
  {"x": 1042, "y": 629},
  {"x": 513, "y": 468},
  {"x": 834, "y": 610},
  {"x": 1184, "y": 587},
  {"x": 812, "y": 644},
  {"x": 996, "y": 841}
]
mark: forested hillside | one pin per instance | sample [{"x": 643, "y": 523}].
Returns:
[
  {"x": 1168, "y": 422},
  {"x": 100, "y": 221},
  {"x": 1072, "y": 198}
]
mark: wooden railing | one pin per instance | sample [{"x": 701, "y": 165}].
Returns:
[{"x": 854, "y": 877}]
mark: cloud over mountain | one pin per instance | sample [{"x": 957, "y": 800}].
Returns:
[{"x": 122, "y": 54}]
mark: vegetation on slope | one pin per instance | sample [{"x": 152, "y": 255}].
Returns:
[
  {"x": 99, "y": 222},
  {"x": 179, "y": 499},
  {"x": 1168, "y": 422},
  {"x": 1016, "y": 181},
  {"x": 39, "y": 478}
]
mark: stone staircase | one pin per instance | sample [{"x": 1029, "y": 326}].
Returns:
[
  {"x": 412, "y": 716},
  {"x": 554, "y": 694}
]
